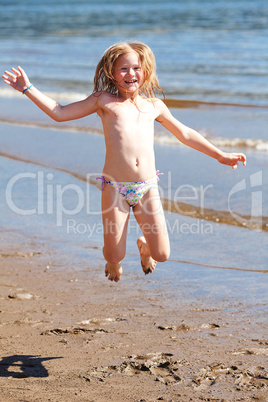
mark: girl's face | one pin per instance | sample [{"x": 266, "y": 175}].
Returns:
[{"x": 128, "y": 74}]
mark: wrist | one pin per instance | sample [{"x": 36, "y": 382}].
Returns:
[
  {"x": 220, "y": 156},
  {"x": 26, "y": 88}
]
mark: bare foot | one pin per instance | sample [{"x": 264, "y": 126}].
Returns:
[
  {"x": 147, "y": 262},
  {"x": 113, "y": 271}
]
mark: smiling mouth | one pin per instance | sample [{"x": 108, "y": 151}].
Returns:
[{"x": 131, "y": 82}]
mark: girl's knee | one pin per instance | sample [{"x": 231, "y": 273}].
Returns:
[{"x": 161, "y": 255}]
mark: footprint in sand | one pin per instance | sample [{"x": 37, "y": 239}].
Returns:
[
  {"x": 254, "y": 378},
  {"x": 73, "y": 331},
  {"x": 160, "y": 365}
]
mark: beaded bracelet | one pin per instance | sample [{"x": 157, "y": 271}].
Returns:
[{"x": 26, "y": 89}]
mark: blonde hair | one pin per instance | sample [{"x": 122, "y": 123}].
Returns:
[{"x": 104, "y": 75}]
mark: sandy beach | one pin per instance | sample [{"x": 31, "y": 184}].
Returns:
[{"x": 68, "y": 334}]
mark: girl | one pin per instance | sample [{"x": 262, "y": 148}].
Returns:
[{"x": 124, "y": 97}]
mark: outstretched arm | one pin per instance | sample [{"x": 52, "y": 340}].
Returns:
[
  {"x": 19, "y": 80},
  {"x": 195, "y": 140}
]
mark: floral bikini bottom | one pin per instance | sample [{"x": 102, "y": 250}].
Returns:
[{"x": 131, "y": 191}]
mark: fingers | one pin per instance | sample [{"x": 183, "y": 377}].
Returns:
[
  {"x": 242, "y": 158},
  {"x": 22, "y": 73},
  {"x": 21, "y": 70},
  {"x": 232, "y": 159},
  {"x": 10, "y": 78},
  {"x": 14, "y": 74},
  {"x": 7, "y": 82},
  {"x": 15, "y": 71},
  {"x": 238, "y": 158}
]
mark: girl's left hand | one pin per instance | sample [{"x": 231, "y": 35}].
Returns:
[{"x": 232, "y": 159}]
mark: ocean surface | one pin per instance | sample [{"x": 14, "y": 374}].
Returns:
[
  {"x": 211, "y": 50},
  {"x": 212, "y": 63}
]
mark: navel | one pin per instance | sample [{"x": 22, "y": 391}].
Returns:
[{"x": 137, "y": 162}]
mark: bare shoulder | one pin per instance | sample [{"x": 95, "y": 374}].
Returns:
[
  {"x": 161, "y": 108},
  {"x": 104, "y": 97},
  {"x": 105, "y": 101}
]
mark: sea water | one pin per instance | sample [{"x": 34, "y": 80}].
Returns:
[{"x": 211, "y": 50}]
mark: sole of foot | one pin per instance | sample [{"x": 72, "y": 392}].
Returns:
[{"x": 147, "y": 262}]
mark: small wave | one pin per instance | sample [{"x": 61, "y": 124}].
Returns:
[
  {"x": 161, "y": 138},
  {"x": 67, "y": 96},
  {"x": 170, "y": 102},
  {"x": 263, "y": 271},
  {"x": 58, "y": 127},
  {"x": 186, "y": 104},
  {"x": 6, "y": 92},
  {"x": 246, "y": 221},
  {"x": 257, "y": 144}
]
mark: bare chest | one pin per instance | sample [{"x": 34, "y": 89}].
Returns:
[{"x": 130, "y": 115}]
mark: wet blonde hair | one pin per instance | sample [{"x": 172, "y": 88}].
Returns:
[{"x": 104, "y": 75}]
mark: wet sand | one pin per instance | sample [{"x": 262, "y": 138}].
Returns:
[{"x": 68, "y": 334}]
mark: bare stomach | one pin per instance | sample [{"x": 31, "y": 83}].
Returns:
[{"x": 134, "y": 168}]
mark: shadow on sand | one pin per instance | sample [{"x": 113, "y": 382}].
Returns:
[{"x": 23, "y": 366}]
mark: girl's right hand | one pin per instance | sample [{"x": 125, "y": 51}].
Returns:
[{"x": 16, "y": 79}]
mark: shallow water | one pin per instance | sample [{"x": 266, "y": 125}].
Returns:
[{"x": 191, "y": 180}]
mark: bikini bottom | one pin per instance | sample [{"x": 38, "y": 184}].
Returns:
[{"x": 132, "y": 191}]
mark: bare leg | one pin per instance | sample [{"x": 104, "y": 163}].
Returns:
[
  {"x": 115, "y": 215},
  {"x": 147, "y": 262},
  {"x": 154, "y": 246}
]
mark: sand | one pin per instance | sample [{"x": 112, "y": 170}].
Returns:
[{"x": 68, "y": 334}]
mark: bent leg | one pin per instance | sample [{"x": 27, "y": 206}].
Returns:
[
  {"x": 115, "y": 217},
  {"x": 154, "y": 246}
]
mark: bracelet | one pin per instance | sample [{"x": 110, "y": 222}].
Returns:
[{"x": 26, "y": 89}]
